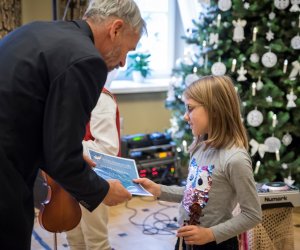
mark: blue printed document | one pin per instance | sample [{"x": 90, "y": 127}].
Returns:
[{"x": 122, "y": 169}]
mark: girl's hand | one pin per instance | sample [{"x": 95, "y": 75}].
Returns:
[
  {"x": 196, "y": 235},
  {"x": 149, "y": 185}
]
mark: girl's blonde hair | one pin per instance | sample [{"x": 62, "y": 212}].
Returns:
[{"x": 219, "y": 97}]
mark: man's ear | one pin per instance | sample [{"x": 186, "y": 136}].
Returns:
[{"x": 116, "y": 28}]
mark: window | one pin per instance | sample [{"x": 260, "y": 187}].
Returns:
[{"x": 160, "y": 19}]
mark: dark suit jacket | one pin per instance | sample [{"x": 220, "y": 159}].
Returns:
[{"x": 51, "y": 76}]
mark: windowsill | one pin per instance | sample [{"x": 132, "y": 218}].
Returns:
[{"x": 130, "y": 87}]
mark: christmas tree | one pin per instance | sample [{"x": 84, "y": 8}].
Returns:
[{"x": 257, "y": 43}]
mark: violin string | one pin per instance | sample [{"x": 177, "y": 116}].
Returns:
[{"x": 161, "y": 223}]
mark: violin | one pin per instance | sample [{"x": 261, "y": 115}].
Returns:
[
  {"x": 60, "y": 212},
  {"x": 195, "y": 214}
]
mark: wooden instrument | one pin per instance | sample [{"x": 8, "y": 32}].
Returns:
[
  {"x": 60, "y": 212},
  {"x": 195, "y": 214}
]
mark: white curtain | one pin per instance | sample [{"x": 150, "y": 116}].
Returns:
[{"x": 189, "y": 10}]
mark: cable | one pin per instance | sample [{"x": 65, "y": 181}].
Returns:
[
  {"x": 66, "y": 10},
  {"x": 162, "y": 224}
]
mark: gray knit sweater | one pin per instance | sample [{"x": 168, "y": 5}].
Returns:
[{"x": 219, "y": 179}]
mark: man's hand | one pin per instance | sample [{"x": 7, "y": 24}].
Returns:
[
  {"x": 116, "y": 194},
  {"x": 89, "y": 161}
]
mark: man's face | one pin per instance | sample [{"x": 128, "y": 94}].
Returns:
[{"x": 116, "y": 56}]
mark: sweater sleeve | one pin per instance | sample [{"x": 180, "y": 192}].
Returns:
[
  {"x": 238, "y": 170},
  {"x": 171, "y": 193}
]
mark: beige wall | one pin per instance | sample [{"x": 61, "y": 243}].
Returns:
[
  {"x": 142, "y": 113},
  {"x": 36, "y": 10}
]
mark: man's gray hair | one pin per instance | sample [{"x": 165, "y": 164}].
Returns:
[{"x": 127, "y": 10}]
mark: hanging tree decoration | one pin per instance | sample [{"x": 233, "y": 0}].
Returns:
[
  {"x": 257, "y": 147},
  {"x": 190, "y": 78},
  {"x": 254, "y": 34},
  {"x": 233, "y": 65},
  {"x": 281, "y": 4},
  {"x": 259, "y": 84},
  {"x": 274, "y": 145},
  {"x": 171, "y": 93},
  {"x": 291, "y": 99},
  {"x": 296, "y": 70},
  {"x": 285, "y": 64},
  {"x": 272, "y": 15},
  {"x": 254, "y": 58},
  {"x": 213, "y": 38},
  {"x": 284, "y": 166},
  {"x": 238, "y": 32},
  {"x": 253, "y": 88},
  {"x": 242, "y": 72},
  {"x": 269, "y": 99},
  {"x": 200, "y": 61},
  {"x": 289, "y": 181},
  {"x": 246, "y": 5},
  {"x": 287, "y": 139},
  {"x": 269, "y": 59},
  {"x": 224, "y": 5},
  {"x": 295, "y": 6},
  {"x": 270, "y": 35},
  {"x": 255, "y": 118},
  {"x": 218, "y": 68},
  {"x": 274, "y": 120},
  {"x": 257, "y": 165},
  {"x": 295, "y": 42}
]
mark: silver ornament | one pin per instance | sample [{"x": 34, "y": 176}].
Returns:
[
  {"x": 269, "y": 59},
  {"x": 287, "y": 139},
  {"x": 218, "y": 69},
  {"x": 255, "y": 118},
  {"x": 273, "y": 144},
  {"x": 190, "y": 78},
  {"x": 281, "y": 4},
  {"x": 224, "y": 5},
  {"x": 295, "y": 42},
  {"x": 254, "y": 58}
]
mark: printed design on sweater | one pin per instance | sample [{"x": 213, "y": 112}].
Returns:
[{"x": 199, "y": 182}]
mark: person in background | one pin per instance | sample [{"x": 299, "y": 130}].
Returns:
[
  {"x": 102, "y": 135},
  {"x": 220, "y": 170},
  {"x": 51, "y": 76}
]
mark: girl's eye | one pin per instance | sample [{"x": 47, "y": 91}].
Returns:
[{"x": 200, "y": 181}]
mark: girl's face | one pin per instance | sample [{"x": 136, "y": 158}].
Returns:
[{"x": 197, "y": 117}]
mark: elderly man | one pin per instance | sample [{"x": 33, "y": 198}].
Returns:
[{"x": 51, "y": 75}]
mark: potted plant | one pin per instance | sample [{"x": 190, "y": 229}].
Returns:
[{"x": 138, "y": 66}]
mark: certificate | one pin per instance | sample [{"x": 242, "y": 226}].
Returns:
[{"x": 122, "y": 169}]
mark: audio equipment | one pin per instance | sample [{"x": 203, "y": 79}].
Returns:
[
  {"x": 155, "y": 155},
  {"x": 278, "y": 194}
]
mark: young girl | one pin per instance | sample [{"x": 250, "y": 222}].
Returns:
[{"x": 220, "y": 170}]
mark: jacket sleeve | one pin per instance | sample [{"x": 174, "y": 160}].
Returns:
[{"x": 72, "y": 96}]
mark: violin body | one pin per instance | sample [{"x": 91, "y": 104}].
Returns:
[{"x": 60, "y": 212}]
